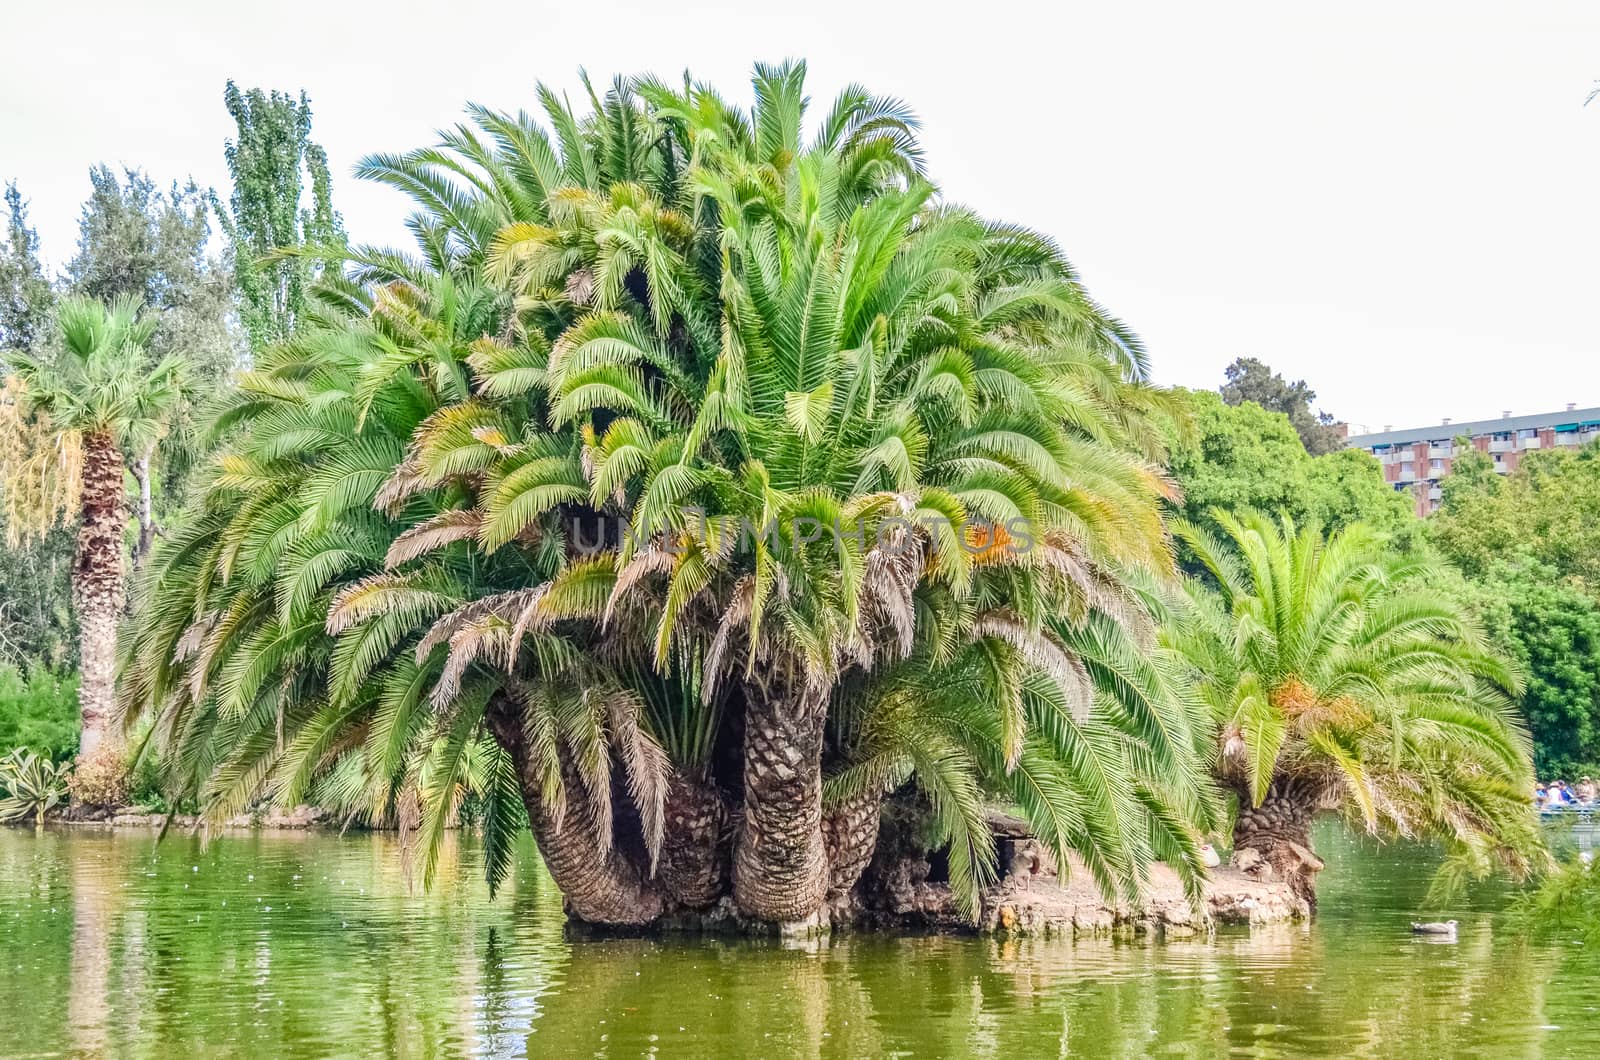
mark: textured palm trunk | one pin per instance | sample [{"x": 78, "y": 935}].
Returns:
[
  {"x": 850, "y": 836},
  {"x": 598, "y": 888},
  {"x": 97, "y": 587},
  {"x": 1276, "y": 836},
  {"x": 780, "y": 863},
  {"x": 694, "y": 863}
]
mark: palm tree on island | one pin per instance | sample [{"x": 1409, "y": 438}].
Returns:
[
  {"x": 1341, "y": 682},
  {"x": 692, "y": 492}
]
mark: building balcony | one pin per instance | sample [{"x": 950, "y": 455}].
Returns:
[
  {"x": 1440, "y": 452},
  {"x": 1568, "y": 438},
  {"x": 1434, "y": 493},
  {"x": 1406, "y": 476},
  {"x": 1527, "y": 443},
  {"x": 1501, "y": 445},
  {"x": 1502, "y": 469}
]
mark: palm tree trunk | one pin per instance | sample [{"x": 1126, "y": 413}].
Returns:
[
  {"x": 1274, "y": 839},
  {"x": 97, "y": 586},
  {"x": 780, "y": 864},
  {"x": 694, "y": 864},
  {"x": 598, "y": 888},
  {"x": 850, "y": 835}
]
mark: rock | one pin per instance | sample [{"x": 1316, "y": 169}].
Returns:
[{"x": 1250, "y": 862}]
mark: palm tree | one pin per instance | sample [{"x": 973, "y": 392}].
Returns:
[
  {"x": 1340, "y": 682},
  {"x": 688, "y": 455},
  {"x": 98, "y": 395}
]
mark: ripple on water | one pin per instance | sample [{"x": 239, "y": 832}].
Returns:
[{"x": 300, "y": 944}]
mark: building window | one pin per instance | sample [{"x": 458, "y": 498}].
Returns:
[
  {"x": 1528, "y": 432},
  {"x": 1499, "y": 458},
  {"x": 1436, "y": 464},
  {"x": 1502, "y": 436}
]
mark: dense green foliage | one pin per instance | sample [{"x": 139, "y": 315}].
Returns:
[
  {"x": 271, "y": 157},
  {"x": 1551, "y": 628},
  {"x": 1233, "y": 458},
  {"x": 36, "y": 622},
  {"x": 1548, "y": 511},
  {"x": 25, "y": 295},
  {"x": 1527, "y": 545},
  {"x": 1250, "y": 380},
  {"x": 135, "y": 241},
  {"x": 38, "y": 711}
]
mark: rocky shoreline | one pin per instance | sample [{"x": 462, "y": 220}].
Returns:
[
  {"x": 298, "y": 819},
  {"x": 1041, "y": 906}
]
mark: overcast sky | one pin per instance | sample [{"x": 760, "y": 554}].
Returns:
[{"x": 1395, "y": 200}]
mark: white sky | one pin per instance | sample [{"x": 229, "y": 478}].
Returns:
[{"x": 1396, "y": 200}]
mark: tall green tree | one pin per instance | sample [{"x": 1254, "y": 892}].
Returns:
[
  {"x": 272, "y": 159},
  {"x": 35, "y": 614},
  {"x": 136, "y": 241},
  {"x": 1551, "y": 628},
  {"x": 1547, "y": 510},
  {"x": 37, "y": 505},
  {"x": 693, "y": 486},
  {"x": 1524, "y": 544},
  {"x": 1248, "y": 379},
  {"x": 1340, "y": 681},
  {"x": 25, "y": 294},
  {"x": 1235, "y": 457},
  {"x": 97, "y": 393}
]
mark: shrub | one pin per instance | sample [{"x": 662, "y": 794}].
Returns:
[
  {"x": 39, "y": 712},
  {"x": 150, "y": 791},
  {"x": 32, "y": 785},
  {"x": 101, "y": 777}
]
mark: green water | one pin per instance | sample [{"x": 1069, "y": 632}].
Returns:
[{"x": 300, "y": 944}]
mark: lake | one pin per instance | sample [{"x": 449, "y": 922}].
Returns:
[{"x": 308, "y": 944}]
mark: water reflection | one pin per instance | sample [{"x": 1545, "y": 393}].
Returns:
[{"x": 301, "y": 945}]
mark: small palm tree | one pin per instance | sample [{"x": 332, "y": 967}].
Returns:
[
  {"x": 1340, "y": 682},
  {"x": 97, "y": 394}
]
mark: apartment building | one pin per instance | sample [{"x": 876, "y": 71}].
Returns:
[{"x": 1418, "y": 458}]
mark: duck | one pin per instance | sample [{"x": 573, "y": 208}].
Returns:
[{"x": 1434, "y": 927}]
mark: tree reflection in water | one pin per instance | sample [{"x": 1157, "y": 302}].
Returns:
[{"x": 310, "y": 945}]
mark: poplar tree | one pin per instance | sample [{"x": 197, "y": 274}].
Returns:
[{"x": 272, "y": 161}]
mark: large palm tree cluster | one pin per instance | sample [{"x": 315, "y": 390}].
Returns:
[
  {"x": 1340, "y": 680},
  {"x": 690, "y": 489}
]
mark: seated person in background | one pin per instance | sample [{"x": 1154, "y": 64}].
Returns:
[
  {"x": 1559, "y": 796},
  {"x": 1540, "y": 796},
  {"x": 1587, "y": 791}
]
